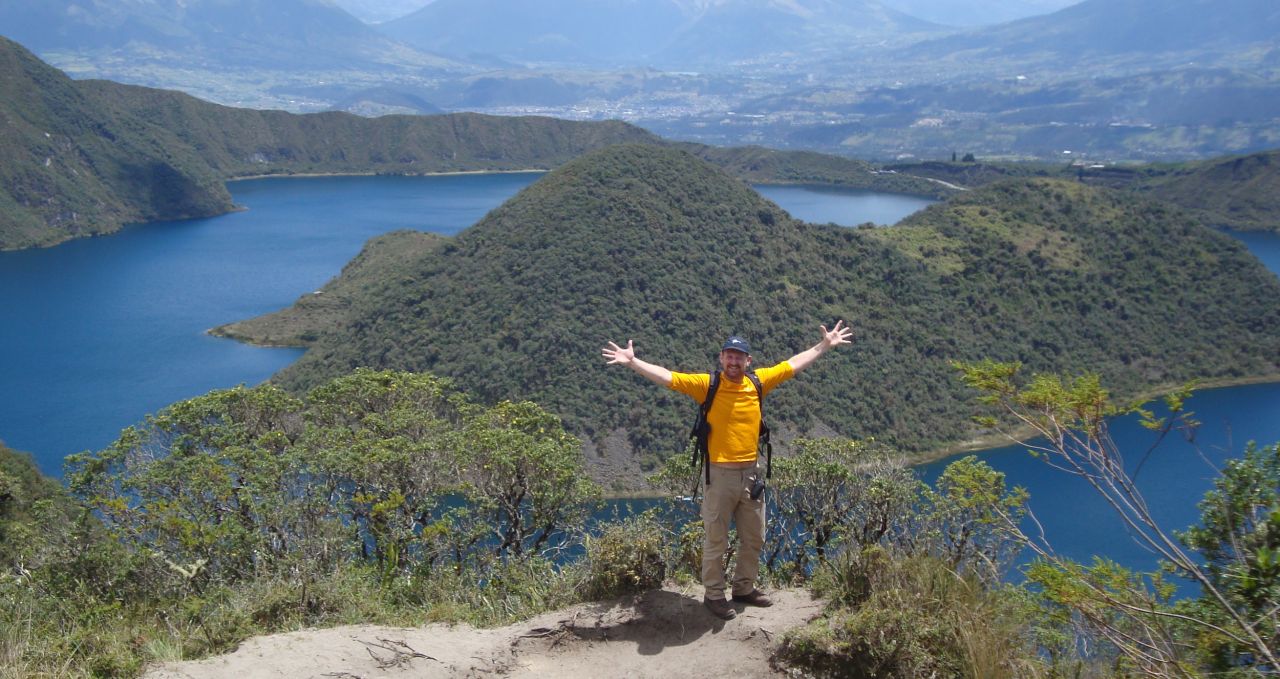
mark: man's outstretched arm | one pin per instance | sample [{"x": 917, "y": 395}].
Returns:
[
  {"x": 627, "y": 356},
  {"x": 832, "y": 338}
]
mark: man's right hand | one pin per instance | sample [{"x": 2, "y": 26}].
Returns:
[
  {"x": 617, "y": 354},
  {"x": 627, "y": 356}
]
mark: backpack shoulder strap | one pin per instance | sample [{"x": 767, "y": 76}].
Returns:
[
  {"x": 764, "y": 441},
  {"x": 702, "y": 429},
  {"x": 706, "y": 409},
  {"x": 711, "y": 392}
]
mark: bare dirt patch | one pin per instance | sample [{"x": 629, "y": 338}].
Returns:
[{"x": 662, "y": 633}]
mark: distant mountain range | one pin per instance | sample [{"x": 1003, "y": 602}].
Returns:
[
  {"x": 1108, "y": 28},
  {"x": 279, "y": 34},
  {"x": 976, "y": 12},
  {"x": 319, "y": 34},
  {"x": 945, "y": 12},
  {"x": 379, "y": 11},
  {"x": 663, "y": 33},
  {"x": 857, "y": 77}
]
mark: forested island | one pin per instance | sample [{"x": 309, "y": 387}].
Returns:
[{"x": 654, "y": 244}]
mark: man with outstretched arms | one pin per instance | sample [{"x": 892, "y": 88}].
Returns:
[{"x": 734, "y": 417}]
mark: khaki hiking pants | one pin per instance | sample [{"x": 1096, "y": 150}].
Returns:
[{"x": 729, "y": 498}]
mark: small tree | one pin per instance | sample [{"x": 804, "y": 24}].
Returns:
[
  {"x": 521, "y": 477},
  {"x": 832, "y": 493},
  {"x": 208, "y": 486},
  {"x": 379, "y": 444},
  {"x": 1070, "y": 418},
  {"x": 966, "y": 516},
  {"x": 1239, "y": 540},
  {"x": 836, "y": 495}
]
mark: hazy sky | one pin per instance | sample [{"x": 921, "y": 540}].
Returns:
[{"x": 950, "y": 12}]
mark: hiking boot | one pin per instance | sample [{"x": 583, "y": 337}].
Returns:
[
  {"x": 754, "y": 598},
  {"x": 720, "y": 608}
]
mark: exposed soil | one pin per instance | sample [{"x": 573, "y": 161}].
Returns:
[{"x": 662, "y": 633}]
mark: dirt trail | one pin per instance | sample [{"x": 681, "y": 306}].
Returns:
[{"x": 663, "y": 633}]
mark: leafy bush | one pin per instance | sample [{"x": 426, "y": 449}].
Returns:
[
  {"x": 966, "y": 519},
  {"x": 833, "y": 493},
  {"x": 912, "y": 617},
  {"x": 392, "y": 468},
  {"x": 379, "y": 496},
  {"x": 627, "y": 557}
]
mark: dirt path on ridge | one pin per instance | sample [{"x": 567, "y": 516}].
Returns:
[{"x": 662, "y": 633}]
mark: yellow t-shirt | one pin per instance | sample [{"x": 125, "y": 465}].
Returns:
[{"x": 735, "y": 412}]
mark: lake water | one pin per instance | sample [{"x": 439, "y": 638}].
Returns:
[
  {"x": 846, "y": 207},
  {"x": 100, "y": 332},
  {"x": 1173, "y": 479}
]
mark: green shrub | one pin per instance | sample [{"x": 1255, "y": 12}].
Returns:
[
  {"x": 834, "y": 492},
  {"x": 505, "y": 591},
  {"x": 626, "y": 558},
  {"x": 912, "y": 617}
]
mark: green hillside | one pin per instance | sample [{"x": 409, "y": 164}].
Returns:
[
  {"x": 1240, "y": 193},
  {"x": 1237, "y": 192},
  {"x": 69, "y": 170},
  {"x": 655, "y": 245}
]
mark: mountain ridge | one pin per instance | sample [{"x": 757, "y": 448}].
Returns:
[
  {"x": 1148, "y": 27},
  {"x": 302, "y": 33},
  {"x": 71, "y": 171},
  {"x": 674, "y": 33},
  {"x": 126, "y": 153}
]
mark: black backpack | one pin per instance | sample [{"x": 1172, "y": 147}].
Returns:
[{"x": 701, "y": 431}]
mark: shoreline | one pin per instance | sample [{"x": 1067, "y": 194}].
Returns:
[
  {"x": 1017, "y": 435},
  {"x": 221, "y": 332},
  {"x": 763, "y": 182},
  {"x": 313, "y": 175}
]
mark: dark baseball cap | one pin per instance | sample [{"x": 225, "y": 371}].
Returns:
[{"x": 738, "y": 344}]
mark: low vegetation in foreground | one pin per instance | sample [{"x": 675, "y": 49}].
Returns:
[{"x": 392, "y": 498}]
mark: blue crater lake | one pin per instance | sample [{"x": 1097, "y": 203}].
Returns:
[{"x": 100, "y": 332}]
